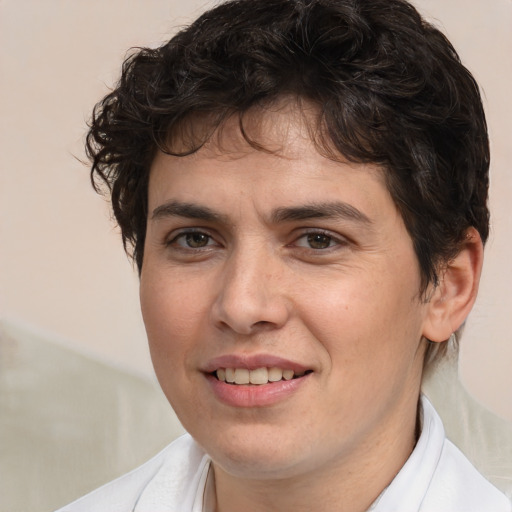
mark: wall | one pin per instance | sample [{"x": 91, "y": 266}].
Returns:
[{"x": 62, "y": 268}]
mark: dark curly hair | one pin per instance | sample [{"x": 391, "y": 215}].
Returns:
[{"x": 389, "y": 88}]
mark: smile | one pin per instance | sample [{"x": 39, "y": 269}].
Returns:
[{"x": 259, "y": 376}]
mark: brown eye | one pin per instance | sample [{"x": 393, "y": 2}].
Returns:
[
  {"x": 319, "y": 241},
  {"x": 191, "y": 240},
  {"x": 197, "y": 240}
]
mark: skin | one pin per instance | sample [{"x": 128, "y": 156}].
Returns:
[{"x": 338, "y": 294}]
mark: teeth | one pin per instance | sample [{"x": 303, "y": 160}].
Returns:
[
  {"x": 287, "y": 374},
  {"x": 241, "y": 376},
  {"x": 275, "y": 374},
  {"x": 259, "y": 376},
  {"x": 230, "y": 375}
]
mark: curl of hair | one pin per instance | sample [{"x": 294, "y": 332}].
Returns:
[{"x": 389, "y": 87}]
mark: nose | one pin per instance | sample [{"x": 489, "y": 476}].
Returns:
[{"x": 251, "y": 295}]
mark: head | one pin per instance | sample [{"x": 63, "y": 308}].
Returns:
[{"x": 259, "y": 118}]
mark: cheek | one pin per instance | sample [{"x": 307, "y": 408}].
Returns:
[
  {"x": 370, "y": 319},
  {"x": 173, "y": 313}
]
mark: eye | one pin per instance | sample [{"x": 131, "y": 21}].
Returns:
[
  {"x": 317, "y": 241},
  {"x": 192, "y": 240}
]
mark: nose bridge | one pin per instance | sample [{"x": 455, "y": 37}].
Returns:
[{"x": 251, "y": 293}]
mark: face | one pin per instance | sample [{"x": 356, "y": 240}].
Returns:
[{"x": 293, "y": 276}]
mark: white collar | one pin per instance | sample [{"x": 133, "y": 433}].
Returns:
[{"x": 206, "y": 498}]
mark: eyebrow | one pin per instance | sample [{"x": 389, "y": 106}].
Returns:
[
  {"x": 188, "y": 210},
  {"x": 334, "y": 210}
]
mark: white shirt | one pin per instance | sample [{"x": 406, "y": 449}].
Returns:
[{"x": 437, "y": 477}]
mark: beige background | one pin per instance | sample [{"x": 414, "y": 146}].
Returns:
[{"x": 62, "y": 269}]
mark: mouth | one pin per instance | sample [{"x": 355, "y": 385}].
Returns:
[
  {"x": 258, "y": 376},
  {"x": 257, "y": 380}
]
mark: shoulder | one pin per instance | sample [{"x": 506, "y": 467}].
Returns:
[
  {"x": 179, "y": 461},
  {"x": 457, "y": 485}
]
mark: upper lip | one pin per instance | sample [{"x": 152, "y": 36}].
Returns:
[{"x": 253, "y": 362}]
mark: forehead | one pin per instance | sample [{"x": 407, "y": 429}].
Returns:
[{"x": 289, "y": 128}]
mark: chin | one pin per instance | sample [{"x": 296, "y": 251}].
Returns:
[{"x": 256, "y": 452}]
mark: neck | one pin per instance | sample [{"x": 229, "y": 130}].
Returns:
[{"x": 348, "y": 484}]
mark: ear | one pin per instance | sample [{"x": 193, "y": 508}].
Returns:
[{"x": 453, "y": 298}]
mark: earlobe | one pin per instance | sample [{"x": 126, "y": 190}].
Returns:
[{"x": 453, "y": 298}]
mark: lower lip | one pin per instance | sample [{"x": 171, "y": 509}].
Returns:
[{"x": 262, "y": 395}]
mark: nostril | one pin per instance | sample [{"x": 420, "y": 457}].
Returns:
[{"x": 261, "y": 323}]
